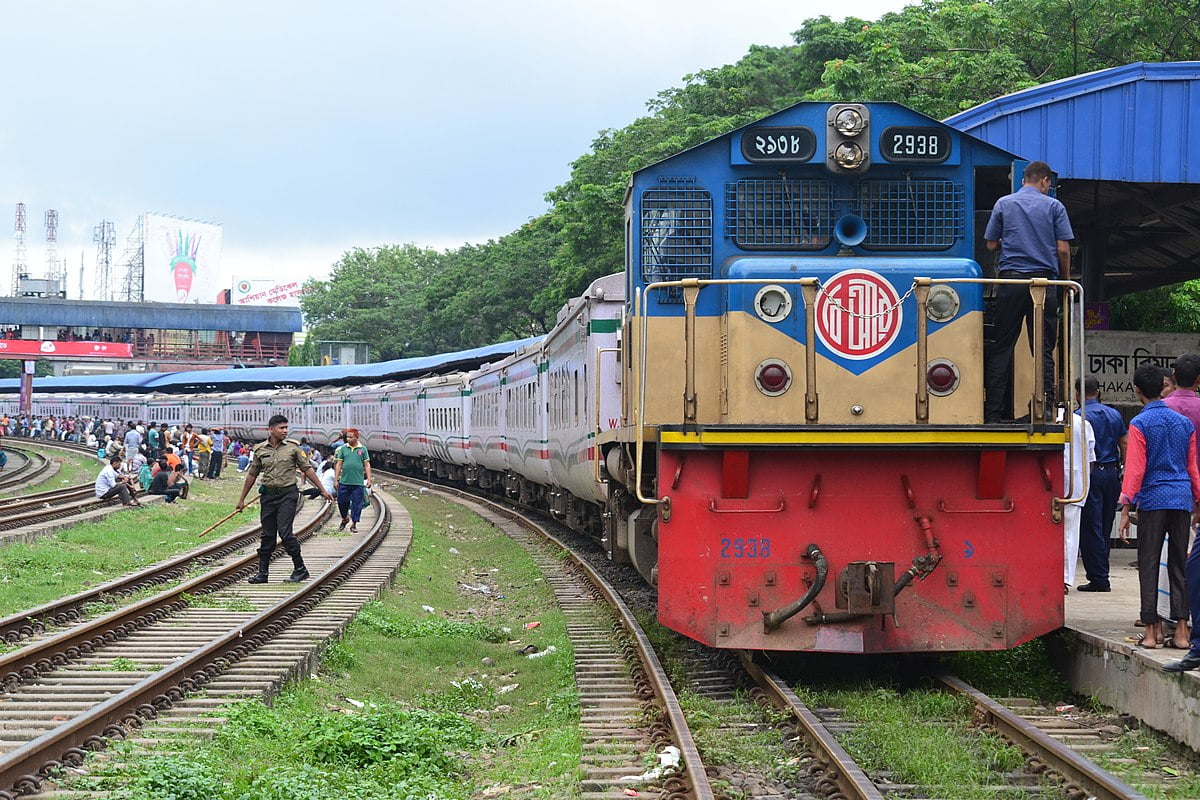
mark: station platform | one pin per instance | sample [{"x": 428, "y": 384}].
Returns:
[{"x": 1098, "y": 653}]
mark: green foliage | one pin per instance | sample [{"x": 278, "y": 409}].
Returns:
[
  {"x": 1024, "y": 671},
  {"x": 307, "y": 354},
  {"x": 11, "y": 368},
  {"x": 377, "y": 617},
  {"x": 1166, "y": 309},
  {"x": 937, "y": 56}
]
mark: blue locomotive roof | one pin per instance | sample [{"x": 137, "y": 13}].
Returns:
[
  {"x": 1131, "y": 123},
  {"x": 232, "y": 380}
]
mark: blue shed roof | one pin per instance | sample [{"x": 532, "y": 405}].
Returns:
[
  {"x": 1138, "y": 123},
  {"x": 232, "y": 380},
  {"x": 57, "y": 312}
]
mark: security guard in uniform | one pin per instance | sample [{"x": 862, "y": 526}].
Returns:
[{"x": 277, "y": 460}]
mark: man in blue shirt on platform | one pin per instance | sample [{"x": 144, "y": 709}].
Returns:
[
  {"x": 1031, "y": 231},
  {"x": 1104, "y": 488}
]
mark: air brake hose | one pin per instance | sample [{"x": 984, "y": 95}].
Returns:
[{"x": 773, "y": 619}]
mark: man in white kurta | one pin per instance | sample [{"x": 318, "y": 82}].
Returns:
[{"x": 1083, "y": 442}]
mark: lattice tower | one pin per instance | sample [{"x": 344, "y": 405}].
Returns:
[
  {"x": 134, "y": 262},
  {"x": 52, "y": 266},
  {"x": 105, "y": 237},
  {"x": 19, "y": 266}
]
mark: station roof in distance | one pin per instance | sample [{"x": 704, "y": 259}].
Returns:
[{"x": 54, "y": 312}]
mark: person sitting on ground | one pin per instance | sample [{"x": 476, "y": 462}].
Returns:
[
  {"x": 110, "y": 484},
  {"x": 145, "y": 476},
  {"x": 243, "y": 460},
  {"x": 172, "y": 458},
  {"x": 170, "y": 484}
]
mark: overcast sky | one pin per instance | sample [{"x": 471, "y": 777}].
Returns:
[{"x": 308, "y": 128}]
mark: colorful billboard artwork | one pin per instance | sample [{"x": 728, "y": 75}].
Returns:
[
  {"x": 182, "y": 260},
  {"x": 34, "y": 348}
]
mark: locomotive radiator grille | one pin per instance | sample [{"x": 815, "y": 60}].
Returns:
[
  {"x": 779, "y": 214},
  {"x": 676, "y": 239},
  {"x": 913, "y": 213}
]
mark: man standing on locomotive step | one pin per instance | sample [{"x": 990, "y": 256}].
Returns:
[
  {"x": 1031, "y": 231},
  {"x": 1100, "y": 509},
  {"x": 277, "y": 460},
  {"x": 352, "y": 472}
]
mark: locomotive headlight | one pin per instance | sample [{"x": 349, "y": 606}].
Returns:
[
  {"x": 772, "y": 303},
  {"x": 849, "y": 155},
  {"x": 773, "y": 377},
  {"x": 943, "y": 304},
  {"x": 942, "y": 377},
  {"x": 849, "y": 122}
]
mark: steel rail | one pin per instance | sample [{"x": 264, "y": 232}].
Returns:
[
  {"x": 31, "y": 465},
  {"x": 842, "y": 776},
  {"x": 23, "y": 771},
  {"x": 7, "y": 504},
  {"x": 28, "y": 662},
  {"x": 31, "y": 621},
  {"x": 693, "y": 764},
  {"x": 24, "y": 514},
  {"x": 1079, "y": 772}
]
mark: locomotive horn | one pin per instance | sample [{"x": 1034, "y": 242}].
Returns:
[{"x": 850, "y": 230}]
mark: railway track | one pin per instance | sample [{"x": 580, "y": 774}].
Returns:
[
  {"x": 25, "y": 467},
  {"x": 164, "y": 659},
  {"x": 56, "y": 504},
  {"x": 1052, "y": 768}
]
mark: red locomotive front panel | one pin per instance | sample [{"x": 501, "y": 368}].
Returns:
[{"x": 901, "y": 551}]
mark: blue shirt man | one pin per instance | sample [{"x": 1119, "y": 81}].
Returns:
[
  {"x": 1104, "y": 488},
  {"x": 1032, "y": 232}
]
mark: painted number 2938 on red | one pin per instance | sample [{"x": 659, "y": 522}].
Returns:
[{"x": 745, "y": 548}]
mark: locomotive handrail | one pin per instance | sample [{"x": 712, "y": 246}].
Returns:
[
  {"x": 1073, "y": 319},
  {"x": 694, "y": 285},
  {"x": 810, "y": 287},
  {"x": 596, "y": 452}
]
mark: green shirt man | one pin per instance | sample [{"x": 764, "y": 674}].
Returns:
[{"x": 351, "y": 473}]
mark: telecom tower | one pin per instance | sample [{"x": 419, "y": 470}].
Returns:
[
  {"x": 19, "y": 267},
  {"x": 105, "y": 237},
  {"x": 51, "y": 249},
  {"x": 133, "y": 259}
]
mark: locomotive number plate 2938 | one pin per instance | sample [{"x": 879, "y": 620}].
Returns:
[{"x": 745, "y": 548}]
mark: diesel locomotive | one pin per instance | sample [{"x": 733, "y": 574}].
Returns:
[{"x": 775, "y": 411}]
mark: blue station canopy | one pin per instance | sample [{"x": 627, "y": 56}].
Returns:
[
  {"x": 1125, "y": 146},
  {"x": 235, "y": 380},
  {"x": 54, "y": 312}
]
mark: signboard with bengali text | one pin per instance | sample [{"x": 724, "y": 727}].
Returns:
[
  {"x": 250, "y": 292},
  {"x": 35, "y": 348},
  {"x": 1113, "y": 356}
]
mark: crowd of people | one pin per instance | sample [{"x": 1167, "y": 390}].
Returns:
[{"x": 1160, "y": 484}]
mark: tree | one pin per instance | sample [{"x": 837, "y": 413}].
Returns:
[
  {"x": 11, "y": 368},
  {"x": 1165, "y": 309}
]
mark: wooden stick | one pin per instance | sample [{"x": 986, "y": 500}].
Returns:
[{"x": 227, "y": 517}]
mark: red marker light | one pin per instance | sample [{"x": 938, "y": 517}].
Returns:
[
  {"x": 942, "y": 377},
  {"x": 773, "y": 377}
]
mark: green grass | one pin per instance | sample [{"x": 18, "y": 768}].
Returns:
[
  {"x": 74, "y": 469},
  {"x": 125, "y": 541},
  {"x": 921, "y": 737},
  {"x": 1024, "y": 671},
  {"x": 404, "y": 705}
]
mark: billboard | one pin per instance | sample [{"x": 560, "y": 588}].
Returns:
[
  {"x": 182, "y": 260},
  {"x": 36, "y": 348},
  {"x": 250, "y": 292}
]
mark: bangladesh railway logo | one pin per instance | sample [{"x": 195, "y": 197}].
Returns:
[{"x": 858, "y": 314}]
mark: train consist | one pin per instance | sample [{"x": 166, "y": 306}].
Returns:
[{"x": 775, "y": 412}]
